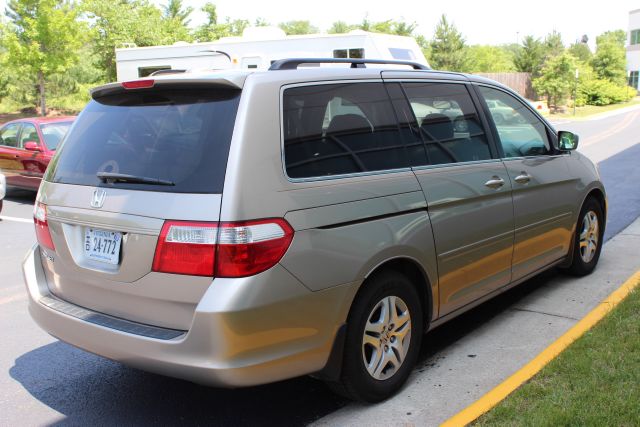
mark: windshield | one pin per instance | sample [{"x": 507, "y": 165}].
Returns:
[
  {"x": 177, "y": 136},
  {"x": 53, "y": 133}
]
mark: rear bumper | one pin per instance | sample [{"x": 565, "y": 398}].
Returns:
[{"x": 235, "y": 339}]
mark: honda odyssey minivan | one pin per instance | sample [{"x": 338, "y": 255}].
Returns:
[{"x": 236, "y": 228}]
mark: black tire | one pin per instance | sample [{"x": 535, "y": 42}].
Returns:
[
  {"x": 579, "y": 266},
  {"x": 356, "y": 382},
  {"x": 1, "y": 206}
]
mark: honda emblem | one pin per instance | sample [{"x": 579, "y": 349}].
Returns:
[{"x": 98, "y": 198}]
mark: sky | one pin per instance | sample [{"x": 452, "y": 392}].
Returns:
[{"x": 481, "y": 22}]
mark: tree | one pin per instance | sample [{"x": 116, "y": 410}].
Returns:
[
  {"x": 174, "y": 11},
  {"x": 118, "y": 24},
  {"x": 298, "y": 27},
  {"x": 341, "y": 27},
  {"x": 447, "y": 48},
  {"x": 581, "y": 51},
  {"x": 490, "y": 59},
  {"x": 609, "y": 61},
  {"x": 530, "y": 57},
  {"x": 557, "y": 79},
  {"x": 553, "y": 45},
  {"x": 44, "y": 39}
]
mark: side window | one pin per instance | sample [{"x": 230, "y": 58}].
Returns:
[
  {"x": 9, "y": 135},
  {"x": 336, "y": 129},
  {"x": 29, "y": 133},
  {"x": 520, "y": 131},
  {"x": 449, "y": 123}
]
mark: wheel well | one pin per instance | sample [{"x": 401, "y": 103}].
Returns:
[
  {"x": 417, "y": 276},
  {"x": 599, "y": 196}
]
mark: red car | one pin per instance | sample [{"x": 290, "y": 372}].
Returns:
[{"x": 27, "y": 146}]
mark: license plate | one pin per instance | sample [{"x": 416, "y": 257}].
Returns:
[{"x": 102, "y": 245}]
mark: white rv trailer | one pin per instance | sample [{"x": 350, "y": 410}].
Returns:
[{"x": 259, "y": 47}]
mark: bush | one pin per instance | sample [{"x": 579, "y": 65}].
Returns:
[{"x": 603, "y": 92}]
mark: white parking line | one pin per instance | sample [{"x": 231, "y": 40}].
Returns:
[{"x": 11, "y": 218}]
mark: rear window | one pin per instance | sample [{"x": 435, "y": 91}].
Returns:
[
  {"x": 53, "y": 133},
  {"x": 177, "y": 136}
]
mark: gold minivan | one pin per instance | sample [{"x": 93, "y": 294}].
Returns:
[{"x": 236, "y": 228}]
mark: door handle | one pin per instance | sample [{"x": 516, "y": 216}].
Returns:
[
  {"x": 495, "y": 182},
  {"x": 523, "y": 178}
]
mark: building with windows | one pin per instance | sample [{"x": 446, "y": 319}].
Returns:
[{"x": 633, "y": 49}]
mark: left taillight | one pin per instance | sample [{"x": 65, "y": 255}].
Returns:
[{"x": 42, "y": 227}]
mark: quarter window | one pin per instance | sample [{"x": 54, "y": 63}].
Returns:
[
  {"x": 448, "y": 123},
  {"x": 338, "y": 129},
  {"x": 521, "y": 132}
]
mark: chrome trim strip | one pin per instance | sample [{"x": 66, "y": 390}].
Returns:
[{"x": 104, "y": 226}]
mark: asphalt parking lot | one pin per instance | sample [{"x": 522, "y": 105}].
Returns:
[{"x": 44, "y": 381}]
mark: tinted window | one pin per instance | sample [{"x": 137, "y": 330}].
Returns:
[
  {"x": 181, "y": 136},
  {"x": 53, "y": 133},
  {"x": 520, "y": 131},
  {"x": 339, "y": 129},
  {"x": 449, "y": 123},
  {"x": 29, "y": 134},
  {"x": 9, "y": 135}
]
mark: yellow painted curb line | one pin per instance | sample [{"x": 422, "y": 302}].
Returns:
[{"x": 497, "y": 394}]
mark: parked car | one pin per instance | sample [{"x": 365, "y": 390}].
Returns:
[
  {"x": 239, "y": 228},
  {"x": 27, "y": 146},
  {"x": 3, "y": 189}
]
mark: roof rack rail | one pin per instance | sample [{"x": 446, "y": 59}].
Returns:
[
  {"x": 161, "y": 72},
  {"x": 293, "y": 63}
]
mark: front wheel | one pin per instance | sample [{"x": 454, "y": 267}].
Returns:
[
  {"x": 588, "y": 239},
  {"x": 384, "y": 331}
]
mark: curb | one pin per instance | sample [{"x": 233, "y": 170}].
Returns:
[{"x": 501, "y": 391}]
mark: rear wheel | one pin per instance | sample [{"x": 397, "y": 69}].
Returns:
[
  {"x": 588, "y": 238},
  {"x": 384, "y": 331}
]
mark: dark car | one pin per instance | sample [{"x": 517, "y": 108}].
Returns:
[{"x": 27, "y": 146}]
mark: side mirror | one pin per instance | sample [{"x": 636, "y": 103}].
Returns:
[
  {"x": 32, "y": 146},
  {"x": 567, "y": 141}
]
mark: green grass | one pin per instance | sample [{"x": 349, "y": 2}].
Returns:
[
  {"x": 594, "y": 382},
  {"x": 590, "y": 110}
]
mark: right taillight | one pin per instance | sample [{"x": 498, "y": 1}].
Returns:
[
  {"x": 226, "y": 249},
  {"x": 42, "y": 226},
  {"x": 251, "y": 247}
]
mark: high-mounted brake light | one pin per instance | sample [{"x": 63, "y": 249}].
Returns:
[
  {"x": 227, "y": 249},
  {"x": 139, "y": 84},
  {"x": 43, "y": 235}
]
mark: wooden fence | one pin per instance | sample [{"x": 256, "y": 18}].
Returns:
[{"x": 520, "y": 82}]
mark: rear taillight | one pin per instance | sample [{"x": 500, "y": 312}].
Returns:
[
  {"x": 186, "y": 248},
  {"x": 42, "y": 227},
  {"x": 250, "y": 247},
  {"x": 227, "y": 249}
]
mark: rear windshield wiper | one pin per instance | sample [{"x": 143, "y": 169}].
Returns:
[{"x": 111, "y": 178}]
